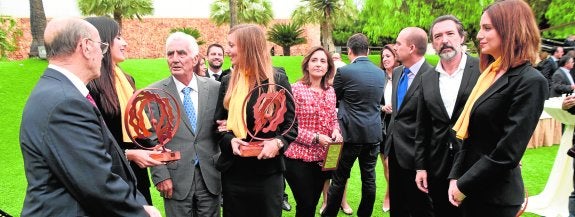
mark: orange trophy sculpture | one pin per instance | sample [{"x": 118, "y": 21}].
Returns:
[{"x": 152, "y": 119}]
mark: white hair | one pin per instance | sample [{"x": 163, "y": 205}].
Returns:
[{"x": 194, "y": 48}]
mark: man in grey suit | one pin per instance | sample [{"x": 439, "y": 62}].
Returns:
[
  {"x": 404, "y": 197},
  {"x": 359, "y": 89},
  {"x": 562, "y": 80},
  {"x": 442, "y": 97},
  {"x": 73, "y": 165},
  {"x": 190, "y": 186}
]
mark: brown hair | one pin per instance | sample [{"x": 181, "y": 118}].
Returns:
[
  {"x": 253, "y": 59},
  {"x": 390, "y": 48},
  {"x": 326, "y": 79},
  {"x": 520, "y": 36}
]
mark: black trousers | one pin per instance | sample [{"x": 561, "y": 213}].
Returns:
[
  {"x": 405, "y": 199},
  {"x": 478, "y": 208},
  {"x": 258, "y": 196},
  {"x": 367, "y": 155},
  {"x": 438, "y": 187},
  {"x": 306, "y": 182}
]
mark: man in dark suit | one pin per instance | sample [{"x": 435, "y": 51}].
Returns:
[
  {"x": 73, "y": 165},
  {"x": 549, "y": 66},
  {"x": 562, "y": 79},
  {"x": 190, "y": 186},
  {"x": 359, "y": 89},
  {"x": 215, "y": 56},
  {"x": 442, "y": 97},
  {"x": 405, "y": 199}
]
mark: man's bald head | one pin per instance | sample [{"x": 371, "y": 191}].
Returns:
[
  {"x": 417, "y": 37},
  {"x": 62, "y": 35}
]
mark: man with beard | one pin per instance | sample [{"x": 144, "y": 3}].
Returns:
[
  {"x": 442, "y": 97},
  {"x": 215, "y": 56}
]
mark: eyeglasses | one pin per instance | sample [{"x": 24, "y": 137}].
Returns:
[{"x": 103, "y": 45}]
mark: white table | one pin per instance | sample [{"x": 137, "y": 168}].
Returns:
[{"x": 553, "y": 200}]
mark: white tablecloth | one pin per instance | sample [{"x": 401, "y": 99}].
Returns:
[{"x": 553, "y": 200}]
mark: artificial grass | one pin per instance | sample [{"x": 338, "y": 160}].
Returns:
[{"x": 19, "y": 77}]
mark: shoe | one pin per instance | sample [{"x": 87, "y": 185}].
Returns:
[
  {"x": 385, "y": 209},
  {"x": 285, "y": 205},
  {"x": 347, "y": 211}
]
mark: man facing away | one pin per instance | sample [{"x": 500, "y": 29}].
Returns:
[
  {"x": 215, "y": 56},
  {"x": 359, "y": 89},
  {"x": 405, "y": 199},
  {"x": 442, "y": 97},
  {"x": 190, "y": 186},
  {"x": 73, "y": 165}
]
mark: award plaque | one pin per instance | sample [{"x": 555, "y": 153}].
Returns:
[
  {"x": 332, "y": 155},
  {"x": 269, "y": 111},
  {"x": 151, "y": 120}
]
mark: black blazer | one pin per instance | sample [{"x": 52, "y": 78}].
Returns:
[
  {"x": 501, "y": 123},
  {"x": 246, "y": 166},
  {"x": 401, "y": 129},
  {"x": 74, "y": 167},
  {"x": 560, "y": 84},
  {"x": 359, "y": 88},
  {"x": 434, "y": 134}
]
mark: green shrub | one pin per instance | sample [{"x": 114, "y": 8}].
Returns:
[
  {"x": 9, "y": 34},
  {"x": 190, "y": 31}
]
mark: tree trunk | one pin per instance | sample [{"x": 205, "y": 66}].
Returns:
[
  {"x": 326, "y": 29},
  {"x": 233, "y": 13},
  {"x": 287, "y": 51},
  {"x": 118, "y": 17},
  {"x": 37, "y": 26}
]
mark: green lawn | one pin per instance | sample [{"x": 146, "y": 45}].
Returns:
[{"x": 18, "y": 78}]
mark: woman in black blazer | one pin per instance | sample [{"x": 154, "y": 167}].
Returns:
[
  {"x": 251, "y": 186},
  {"x": 500, "y": 115}
]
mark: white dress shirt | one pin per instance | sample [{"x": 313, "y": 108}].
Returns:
[{"x": 449, "y": 84}]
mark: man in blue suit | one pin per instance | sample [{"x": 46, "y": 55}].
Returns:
[
  {"x": 73, "y": 165},
  {"x": 359, "y": 89}
]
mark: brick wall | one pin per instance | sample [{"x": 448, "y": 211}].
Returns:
[{"x": 146, "y": 38}]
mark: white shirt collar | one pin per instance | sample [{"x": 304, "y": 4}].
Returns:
[
  {"x": 193, "y": 84},
  {"x": 460, "y": 68},
  {"x": 415, "y": 67},
  {"x": 73, "y": 78}
]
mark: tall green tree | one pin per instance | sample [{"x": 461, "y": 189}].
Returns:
[
  {"x": 248, "y": 11},
  {"x": 325, "y": 12},
  {"x": 119, "y": 9},
  {"x": 37, "y": 26},
  {"x": 286, "y": 36},
  {"x": 385, "y": 18},
  {"x": 560, "y": 15}
]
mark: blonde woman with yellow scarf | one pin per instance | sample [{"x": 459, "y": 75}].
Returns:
[
  {"x": 251, "y": 186},
  {"x": 500, "y": 115},
  {"x": 111, "y": 93}
]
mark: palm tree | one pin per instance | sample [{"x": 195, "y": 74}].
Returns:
[
  {"x": 248, "y": 11},
  {"x": 37, "y": 26},
  {"x": 286, "y": 35},
  {"x": 325, "y": 12},
  {"x": 119, "y": 9}
]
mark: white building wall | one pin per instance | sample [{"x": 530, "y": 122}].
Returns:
[{"x": 162, "y": 8}]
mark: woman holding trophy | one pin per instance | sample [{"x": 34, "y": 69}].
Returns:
[{"x": 260, "y": 122}]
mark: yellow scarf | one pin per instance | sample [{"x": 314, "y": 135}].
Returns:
[
  {"x": 124, "y": 91},
  {"x": 485, "y": 80},
  {"x": 235, "y": 122}
]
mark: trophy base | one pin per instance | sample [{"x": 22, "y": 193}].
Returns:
[
  {"x": 253, "y": 149},
  {"x": 166, "y": 156}
]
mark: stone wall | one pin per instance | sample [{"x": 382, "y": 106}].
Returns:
[{"x": 146, "y": 38}]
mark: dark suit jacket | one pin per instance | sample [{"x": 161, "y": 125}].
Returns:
[
  {"x": 73, "y": 165},
  {"x": 251, "y": 166},
  {"x": 203, "y": 142},
  {"x": 114, "y": 124},
  {"x": 547, "y": 68},
  {"x": 434, "y": 134},
  {"x": 560, "y": 84},
  {"x": 501, "y": 123},
  {"x": 401, "y": 129},
  {"x": 359, "y": 89}
]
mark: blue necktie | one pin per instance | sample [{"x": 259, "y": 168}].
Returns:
[
  {"x": 402, "y": 87},
  {"x": 189, "y": 106},
  {"x": 191, "y": 112}
]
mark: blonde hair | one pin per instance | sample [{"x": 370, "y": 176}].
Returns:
[{"x": 253, "y": 59}]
